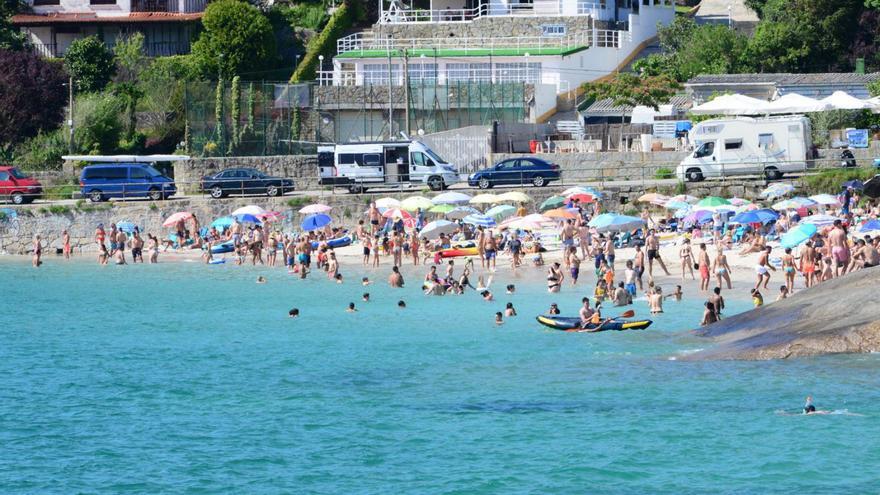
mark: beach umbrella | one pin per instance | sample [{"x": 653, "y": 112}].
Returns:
[
  {"x": 582, "y": 197},
  {"x": 413, "y": 203},
  {"x": 461, "y": 211},
  {"x": 723, "y": 209},
  {"x": 682, "y": 212},
  {"x": 387, "y": 203},
  {"x": 247, "y": 218},
  {"x": 869, "y": 226},
  {"x": 515, "y": 196},
  {"x": 484, "y": 199},
  {"x": 653, "y": 198},
  {"x": 271, "y": 216},
  {"x": 534, "y": 221},
  {"x": 441, "y": 208},
  {"x": 315, "y": 208},
  {"x": 223, "y": 223},
  {"x": 872, "y": 187},
  {"x": 794, "y": 203},
  {"x": 841, "y": 100},
  {"x": 582, "y": 189},
  {"x": 798, "y": 235},
  {"x": 676, "y": 205},
  {"x": 763, "y": 215},
  {"x": 451, "y": 197},
  {"x": 177, "y": 217},
  {"x": 433, "y": 229},
  {"x": 612, "y": 222},
  {"x": 777, "y": 190},
  {"x": 249, "y": 210},
  {"x": 685, "y": 198},
  {"x": 396, "y": 213},
  {"x": 500, "y": 212},
  {"x": 560, "y": 213},
  {"x": 819, "y": 220},
  {"x": 748, "y": 207},
  {"x": 855, "y": 184},
  {"x": 551, "y": 203},
  {"x": 713, "y": 201},
  {"x": 698, "y": 217},
  {"x": 739, "y": 201},
  {"x": 479, "y": 220},
  {"x": 826, "y": 199},
  {"x": 315, "y": 221}
]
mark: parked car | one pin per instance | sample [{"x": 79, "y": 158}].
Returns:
[
  {"x": 517, "y": 171},
  {"x": 18, "y": 187},
  {"x": 124, "y": 180},
  {"x": 244, "y": 181}
]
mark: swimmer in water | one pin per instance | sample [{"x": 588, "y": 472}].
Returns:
[
  {"x": 401, "y": 304},
  {"x": 293, "y": 313},
  {"x": 499, "y": 319},
  {"x": 554, "y": 309},
  {"x": 809, "y": 408},
  {"x": 365, "y": 281},
  {"x": 487, "y": 296},
  {"x": 511, "y": 288},
  {"x": 509, "y": 311},
  {"x": 351, "y": 308},
  {"x": 261, "y": 279},
  {"x": 366, "y": 297}
]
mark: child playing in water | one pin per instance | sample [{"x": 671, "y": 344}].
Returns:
[
  {"x": 499, "y": 319},
  {"x": 655, "y": 300},
  {"x": 601, "y": 291}
]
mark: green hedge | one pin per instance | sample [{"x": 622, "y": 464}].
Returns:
[
  {"x": 830, "y": 181},
  {"x": 325, "y": 43}
]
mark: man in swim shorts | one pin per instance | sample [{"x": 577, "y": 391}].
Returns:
[
  {"x": 763, "y": 267},
  {"x": 839, "y": 248}
]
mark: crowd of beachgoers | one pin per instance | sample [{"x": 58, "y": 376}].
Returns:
[{"x": 797, "y": 243}]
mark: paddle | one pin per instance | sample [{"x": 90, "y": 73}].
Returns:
[{"x": 626, "y": 314}]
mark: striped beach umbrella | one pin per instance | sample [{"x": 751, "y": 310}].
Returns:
[{"x": 479, "y": 220}]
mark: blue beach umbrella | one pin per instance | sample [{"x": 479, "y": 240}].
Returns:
[
  {"x": 870, "y": 225},
  {"x": 316, "y": 221},
  {"x": 764, "y": 215},
  {"x": 855, "y": 184},
  {"x": 612, "y": 222},
  {"x": 698, "y": 217},
  {"x": 798, "y": 235},
  {"x": 223, "y": 223},
  {"x": 247, "y": 218},
  {"x": 126, "y": 226},
  {"x": 479, "y": 220}
]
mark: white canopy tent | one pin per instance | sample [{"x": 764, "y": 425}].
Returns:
[
  {"x": 843, "y": 101},
  {"x": 789, "y": 103},
  {"x": 730, "y": 105},
  {"x": 796, "y": 103}
]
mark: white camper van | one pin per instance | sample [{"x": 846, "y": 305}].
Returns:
[
  {"x": 358, "y": 166},
  {"x": 768, "y": 146}
]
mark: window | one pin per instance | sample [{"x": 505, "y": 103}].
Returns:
[
  {"x": 706, "y": 149},
  {"x": 419, "y": 159},
  {"x": 38, "y": 3},
  {"x": 765, "y": 141},
  {"x": 378, "y": 73},
  {"x": 468, "y": 72},
  {"x": 518, "y": 72},
  {"x": 139, "y": 173},
  {"x": 102, "y": 2},
  {"x": 346, "y": 158},
  {"x": 152, "y": 171},
  {"x": 4, "y": 176},
  {"x": 733, "y": 144},
  {"x": 17, "y": 173},
  {"x": 422, "y": 72},
  {"x": 372, "y": 160},
  {"x": 553, "y": 30},
  {"x": 506, "y": 165},
  {"x": 434, "y": 156},
  {"x": 107, "y": 173}
]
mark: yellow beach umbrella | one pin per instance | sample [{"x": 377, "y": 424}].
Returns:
[
  {"x": 655, "y": 198},
  {"x": 484, "y": 199},
  {"x": 413, "y": 203},
  {"x": 516, "y": 196}
]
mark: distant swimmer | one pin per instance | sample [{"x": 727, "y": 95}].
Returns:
[
  {"x": 487, "y": 296},
  {"x": 401, "y": 304},
  {"x": 509, "y": 310},
  {"x": 511, "y": 288},
  {"x": 366, "y": 297},
  {"x": 365, "y": 281},
  {"x": 351, "y": 308},
  {"x": 261, "y": 279},
  {"x": 554, "y": 309},
  {"x": 293, "y": 313},
  {"x": 499, "y": 319},
  {"x": 809, "y": 408}
]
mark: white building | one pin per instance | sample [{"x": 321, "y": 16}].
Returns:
[
  {"x": 554, "y": 44},
  {"x": 167, "y": 25}
]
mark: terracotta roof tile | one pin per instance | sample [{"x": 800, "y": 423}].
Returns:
[{"x": 91, "y": 18}]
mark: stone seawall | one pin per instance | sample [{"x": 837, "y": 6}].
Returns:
[
  {"x": 19, "y": 225},
  {"x": 607, "y": 165}
]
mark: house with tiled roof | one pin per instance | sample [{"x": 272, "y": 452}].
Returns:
[
  {"x": 770, "y": 86},
  {"x": 167, "y": 25}
]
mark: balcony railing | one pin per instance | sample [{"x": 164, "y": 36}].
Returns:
[
  {"x": 48, "y": 50},
  {"x": 178, "y": 6},
  {"x": 367, "y": 41},
  {"x": 526, "y": 75},
  {"x": 152, "y": 49},
  {"x": 485, "y": 10}
]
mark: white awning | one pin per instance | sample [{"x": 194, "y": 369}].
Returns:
[
  {"x": 843, "y": 101},
  {"x": 730, "y": 105},
  {"x": 796, "y": 103}
]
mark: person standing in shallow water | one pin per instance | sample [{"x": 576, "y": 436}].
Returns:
[{"x": 38, "y": 251}]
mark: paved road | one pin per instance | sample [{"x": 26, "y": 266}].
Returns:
[{"x": 716, "y": 12}]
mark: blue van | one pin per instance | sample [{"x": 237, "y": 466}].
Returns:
[{"x": 124, "y": 180}]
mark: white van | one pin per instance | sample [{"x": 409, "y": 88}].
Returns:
[
  {"x": 768, "y": 146},
  {"x": 358, "y": 166}
]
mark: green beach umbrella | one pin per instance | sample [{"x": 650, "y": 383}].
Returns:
[
  {"x": 552, "y": 203},
  {"x": 713, "y": 201},
  {"x": 444, "y": 208}
]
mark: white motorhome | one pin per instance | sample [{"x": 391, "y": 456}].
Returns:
[
  {"x": 358, "y": 166},
  {"x": 768, "y": 146}
]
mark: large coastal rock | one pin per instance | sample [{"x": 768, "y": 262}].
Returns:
[{"x": 838, "y": 316}]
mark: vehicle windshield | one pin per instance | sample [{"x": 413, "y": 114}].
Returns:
[
  {"x": 152, "y": 171},
  {"x": 430, "y": 152},
  {"x": 17, "y": 174}
]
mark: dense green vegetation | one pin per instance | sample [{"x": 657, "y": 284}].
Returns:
[{"x": 325, "y": 43}]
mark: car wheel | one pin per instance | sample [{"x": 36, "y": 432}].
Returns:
[
  {"x": 272, "y": 190},
  {"x": 216, "y": 192},
  {"x": 435, "y": 183},
  {"x": 356, "y": 189},
  {"x": 484, "y": 183},
  {"x": 155, "y": 194},
  {"x": 96, "y": 196},
  {"x": 18, "y": 198},
  {"x": 539, "y": 181},
  {"x": 772, "y": 173},
  {"x": 694, "y": 175}
]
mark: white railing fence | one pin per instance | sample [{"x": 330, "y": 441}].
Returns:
[{"x": 407, "y": 16}]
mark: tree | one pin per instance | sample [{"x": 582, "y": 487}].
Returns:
[
  {"x": 131, "y": 60},
  {"x": 236, "y": 39},
  {"x": 630, "y": 90},
  {"x": 10, "y": 37},
  {"x": 690, "y": 49},
  {"x": 90, "y": 63},
  {"x": 32, "y": 96},
  {"x": 99, "y": 127}
]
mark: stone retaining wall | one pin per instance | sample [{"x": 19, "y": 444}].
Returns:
[
  {"x": 302, "y": 168},
  {"x": 485, "y": 27},
  {"x": 579, "y": 167}
]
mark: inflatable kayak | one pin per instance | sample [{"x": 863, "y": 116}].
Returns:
[
  {"x": 335, "y": 243},
  {"x": 573, "y": 324},
  {"x": 452, "y": 253},
  {"x": 225, "y": 247}
]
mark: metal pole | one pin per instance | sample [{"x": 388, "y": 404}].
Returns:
[
  {"x": 390, "y": 101},
  {"x": 70, "y": 110},
  {"x": 405, "y": 58}
]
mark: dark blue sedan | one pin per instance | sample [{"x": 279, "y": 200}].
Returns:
[{"x": 516, "y": 171}]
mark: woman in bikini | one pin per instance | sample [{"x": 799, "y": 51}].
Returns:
[
  {"x": 687, "y": 259},
  {"x": 554, "y": 278},
  {"x": 808, "y": 264},
  {"x": 721, "y": 268},
  {"x": 788, "y": 269}
]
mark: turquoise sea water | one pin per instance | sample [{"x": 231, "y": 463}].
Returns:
[{"x": 182, "y": 378}]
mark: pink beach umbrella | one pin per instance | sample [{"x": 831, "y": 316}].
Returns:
[
  {"x": 177, "y": 217},
  {"x": 315, "y": 208},
  {"x": 396, "y": 213},
  {"x": 271, "y": 216}
]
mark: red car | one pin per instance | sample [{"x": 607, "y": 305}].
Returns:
[{"x": 17, "y": 186}]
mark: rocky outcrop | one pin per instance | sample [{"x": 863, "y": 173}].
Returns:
[{"x": 838, "y": 316}]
